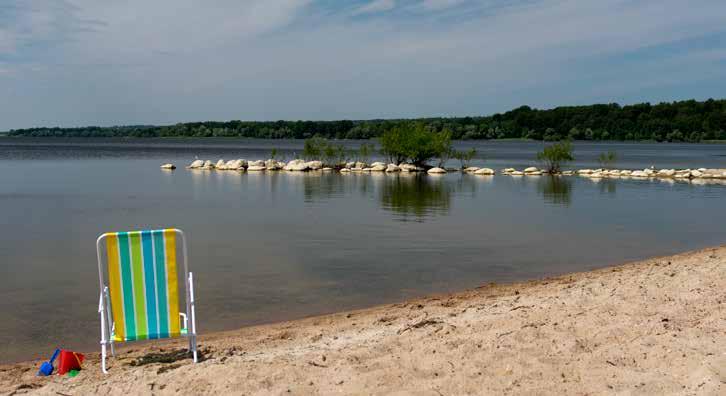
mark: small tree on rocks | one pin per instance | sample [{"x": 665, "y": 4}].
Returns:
[{"x": 555, "y": 155}]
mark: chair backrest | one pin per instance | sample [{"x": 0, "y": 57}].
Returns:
[{"x": 143, "y": 282}]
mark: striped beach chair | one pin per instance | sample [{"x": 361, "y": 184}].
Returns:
[{"x": 141, "y": 299}]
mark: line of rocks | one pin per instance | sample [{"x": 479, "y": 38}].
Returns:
[
  {"x": 298, "y": 165},
  {"x": 701, "y": 173}
]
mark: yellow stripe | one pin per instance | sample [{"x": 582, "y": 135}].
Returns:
[
  {"x": 172, "y": 282},
  {"x": 114, "y": 284}
]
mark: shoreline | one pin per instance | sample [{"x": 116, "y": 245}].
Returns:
[{"x": 650, "y": 326}]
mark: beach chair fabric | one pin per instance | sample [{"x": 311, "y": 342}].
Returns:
[
  {"x": 142, "y": 276},
  {"x": 141, "y": 300}
]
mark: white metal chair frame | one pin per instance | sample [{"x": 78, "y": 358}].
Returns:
[{"x": 104, "y": 305}]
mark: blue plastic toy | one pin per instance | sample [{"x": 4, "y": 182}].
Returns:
[{"x": 47, "y": 367}]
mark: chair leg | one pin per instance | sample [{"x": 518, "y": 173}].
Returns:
[
  {"x": 193, "y": 332},
  {"x": 102, "y": 311},
  {"x": 103, "y": 359},
  {"x": 110, "y": 341},
  {"x": 109, "y": 324}
]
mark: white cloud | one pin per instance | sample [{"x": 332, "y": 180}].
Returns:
[
  {"x": 440, "y": 4},
  {"x": 375, "y": 6}
]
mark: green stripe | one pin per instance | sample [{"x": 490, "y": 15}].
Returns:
[
  {"x": 142, "y": 330},
  {"x": 128, "y": 289}
]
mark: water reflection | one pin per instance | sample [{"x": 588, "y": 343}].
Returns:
[
  {"x": 608, "y": 186},
  {"x": 555, "y": 190},
  {"x": 415, "y": 197},
  {"x": 320, "y": 187}
]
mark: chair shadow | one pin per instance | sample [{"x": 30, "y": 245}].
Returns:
[{"x": 168, "y": 357}]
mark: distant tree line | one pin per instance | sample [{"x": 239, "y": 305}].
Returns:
[{"x": 689, "y": 120}]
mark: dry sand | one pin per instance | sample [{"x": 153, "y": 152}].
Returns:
[{"x": 651, "y": 327}]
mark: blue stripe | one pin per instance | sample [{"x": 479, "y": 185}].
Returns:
[
  {"x": 161, "y": 283},
  {"x": 128, "y": 288},
  {"x": 151, "y": 316}
]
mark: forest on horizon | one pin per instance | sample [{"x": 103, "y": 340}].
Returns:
[{"x": 689, "y": 121}]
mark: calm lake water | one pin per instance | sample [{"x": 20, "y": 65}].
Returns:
[{"x": 266, "y": 247}]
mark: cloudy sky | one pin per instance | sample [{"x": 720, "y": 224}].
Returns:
[{"x": 91, "y": 62}]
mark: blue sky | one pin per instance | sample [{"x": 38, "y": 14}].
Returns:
[{"x": 90, "y": 62}]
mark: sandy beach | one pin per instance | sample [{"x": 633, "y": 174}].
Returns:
[{"x": 656, "y": 326}]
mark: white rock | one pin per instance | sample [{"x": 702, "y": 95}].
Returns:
[
  {"x": 296, "y": 165},
  {"x": 666, "y": 173},
  {"x": 567, "y": 173},
  {"x": 378, "y": 167},
  {"x": 366, "y": 170},
  {"x": 168, "y": 166},
  {"x": 484, "y": 171},
  {"x": 360, "y": 165},
  {"x": 241, "y": 164},
  {"x": 625, "y": 172},
  {"x": 595, "y": 175},
  {"x": 696, "y": 173},
  {"x": 516, "y": 173},
  {"x": 223, "y": 166},
  {"x": 714, "y": 172},
  {"x": 327, "y": 169},
  {"x": 436, "y": 170},
  {"x": 196, "y": 164},
  {"x": 377, "y": 163},
  {"x": 255, "y": 168},
  {"x": 256, "y": 163},
  {"x": 345, "y": 170},
  {"x": 639, "y": 173},
  {"x": 315, "y": 165},
  {"x": 584, "y": 171},
  {"x": 702, "y": 170},
  {"x": 471, "y": 169},
  {"x": 531, "y": 169},
  {"x": 509, "y": 170},
  {"x": 208, "y": 165},
  {"x": 410, "y": 168},
  {"x": 271, "y": 164},
  {"x": 535, "y": 173},
  {"x": 393, "y": 168}
]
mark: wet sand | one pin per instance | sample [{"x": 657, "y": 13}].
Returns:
[{"x": 656, "y": 326}]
